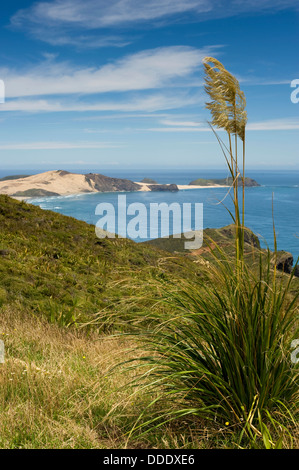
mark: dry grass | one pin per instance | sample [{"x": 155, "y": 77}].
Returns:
[
  {"x": 55, "y": 386},
  {"x": 57, "y": 391}
]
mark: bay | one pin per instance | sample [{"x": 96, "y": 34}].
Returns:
[{"x": 282, "y": 186}]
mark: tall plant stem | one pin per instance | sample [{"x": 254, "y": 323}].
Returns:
[{"x": 243, "y": 192}]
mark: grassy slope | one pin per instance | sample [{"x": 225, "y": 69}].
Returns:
[
  {"x": 224, "y": 238},
  {"x": 55, "y": 266},
  {"x": 57, "y": 391},
  {"x": 55, "y": 386}
]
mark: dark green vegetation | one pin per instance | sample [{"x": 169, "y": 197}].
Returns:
[
  {"x": 249, "y": 182},
  {"x": 35, "y": 192},
  {"x": 14, "y": 177},
  {"x": 148, "y": 181},
  {"x": 55, "y": 266},
  {"x": 223, "y": 237},
  {"x": 163, "y": 187}
]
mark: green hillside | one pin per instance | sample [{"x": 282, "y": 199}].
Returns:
[
  {"x": 56, "y": 387},
  {"x": 63, "y": 292},
  {"x": 55, "y": 266}
]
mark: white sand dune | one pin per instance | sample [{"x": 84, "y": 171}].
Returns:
[{"x": 52, "y": 181}]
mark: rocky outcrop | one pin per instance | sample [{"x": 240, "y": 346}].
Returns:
[
  {"x": 285, "y": 262},
  {"x": 249, "y": 237},
  {"x": 101, "y": 183},
  {"x": 163, "y": 187}
]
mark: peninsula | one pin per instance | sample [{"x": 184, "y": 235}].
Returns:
[{"x": 63, "y": 183}]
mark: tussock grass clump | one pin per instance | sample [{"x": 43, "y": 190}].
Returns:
[{"x": 224, "y": 354}]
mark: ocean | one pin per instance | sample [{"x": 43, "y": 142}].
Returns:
[{"x": 280, "y": 186}]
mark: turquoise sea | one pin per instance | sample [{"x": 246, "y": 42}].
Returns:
[{"x": 282, "y": 186}]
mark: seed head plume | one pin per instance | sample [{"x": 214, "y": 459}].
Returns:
[
  {"x": 228, "y": 102},
  {"x": 227, "y": 106}
]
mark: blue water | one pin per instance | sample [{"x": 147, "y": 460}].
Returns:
[{"x": 283, "y": 186}]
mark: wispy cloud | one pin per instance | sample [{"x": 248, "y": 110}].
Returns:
[
  {"x": 148, "y": 69},
  {"x": 59, "y": 145},
  {"x": 284, "y": 124},
  {"x": 169, "y": 122},
  {"x": 179, "y": 129},
  {"x": 92, "y": 14},
  {"x": 151, "y": 103},
  {"x": 122, "y": 116},
  {"x": 61, "y": 20},
  {"x": 86, "y": 41}
]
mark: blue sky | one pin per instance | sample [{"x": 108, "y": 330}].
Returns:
[{"x": 120, "y": 84}]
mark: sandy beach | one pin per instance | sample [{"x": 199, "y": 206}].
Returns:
[
  {"x": 187, "y": 186},
  {"x": 145, "y": 187}
]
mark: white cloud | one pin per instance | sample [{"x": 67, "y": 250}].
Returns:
[
  {"x": 121, "y": 116},
  {"x": 181, "y": 126},
  {"x": 59, "y": 145},
  {"x": 179, "y": 129},
  {"x": 284, "y": 124},
  {"x": 151, "y": 103},
  {"x": 169, "y": 122},
  {"x": 153, "y": 68},
  {"x": 92, "y": 14},
  {"x": 88, "y": 41},
  {"x": 60, "y": 21}
]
